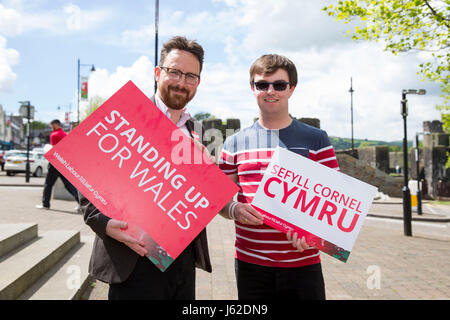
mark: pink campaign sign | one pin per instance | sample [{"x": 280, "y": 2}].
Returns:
[{"x": 135, "y": 165}]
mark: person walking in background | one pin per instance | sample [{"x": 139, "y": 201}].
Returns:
[{"x": 52, "y": 175}]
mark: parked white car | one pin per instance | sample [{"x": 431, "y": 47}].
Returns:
[
  {"x": 39, "y": 150},
  {"x": 16, "y": 163}
]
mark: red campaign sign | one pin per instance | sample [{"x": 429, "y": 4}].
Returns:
[{"x": 135, "y": 165}]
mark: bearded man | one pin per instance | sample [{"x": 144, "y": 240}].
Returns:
[{"x": 118, "y": 258}]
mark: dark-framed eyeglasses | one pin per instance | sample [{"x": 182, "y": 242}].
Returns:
[
  {"x": 175, "y": 74},
  {"x": 264, "y": 86}
]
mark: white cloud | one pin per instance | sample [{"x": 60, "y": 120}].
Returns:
[
  {"x": 8, "y": 58},
  {"x": 203, "y": 26},
  {"x": 285, "y": 25},
  {"x": 16, "y": 20},
  {"x": 105, "y": 84},
  {"x": 10, "y": 24},
  {"x": 225, "y": 93}
]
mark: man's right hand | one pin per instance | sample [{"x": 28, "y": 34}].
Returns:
[
  {"x": 113, "y": 229},
  {"x": 246, "y": 214}
]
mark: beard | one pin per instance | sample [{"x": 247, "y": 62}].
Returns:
[{"x": 174, "y": 100}]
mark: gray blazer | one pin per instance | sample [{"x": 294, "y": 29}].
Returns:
[{"x": 112, "y": 261}]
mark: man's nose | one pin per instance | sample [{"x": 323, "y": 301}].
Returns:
[{"x": 271, "y": 89}]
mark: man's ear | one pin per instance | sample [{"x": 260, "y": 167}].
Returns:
[
  {"x": 157, "y": 73},
  {"x": 291, "y": 90}
]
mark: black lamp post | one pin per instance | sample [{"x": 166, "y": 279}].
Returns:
[
  {"x": 351, "y": 108},
  {"x": 27, "y": 113},
  {"x": 406, "y": 192},
  {"x": 156, "y": 36}
]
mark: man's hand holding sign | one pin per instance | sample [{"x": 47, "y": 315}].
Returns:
[{"x": 114, "y": 230}]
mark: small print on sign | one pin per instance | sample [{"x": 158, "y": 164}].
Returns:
[{"x": 325, "y": 206}]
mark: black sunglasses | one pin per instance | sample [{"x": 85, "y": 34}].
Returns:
[{"x": 277, "y": 85}]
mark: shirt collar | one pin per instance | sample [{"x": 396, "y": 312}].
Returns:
[{"x": 185, "y": 115}]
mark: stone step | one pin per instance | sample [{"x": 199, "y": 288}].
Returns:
[
  {"x": 13, "y": 236},
  {"x": 22, "y": 267},
  {"x": 68, "y": 279}
]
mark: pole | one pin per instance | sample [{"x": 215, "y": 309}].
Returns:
[
  {"x": 156, "y": 36},
  {"x": 78, "y": 95},
  {"x": 27, "y": 166},
  {"x": 419, "y": 196},
  {"x": 406, "y": 193},
  {"x": 351, "y": 108}
]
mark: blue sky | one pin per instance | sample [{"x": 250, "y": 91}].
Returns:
[{"x": 41, "y": 40}]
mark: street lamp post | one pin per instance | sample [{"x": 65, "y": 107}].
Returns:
[
  {"x": 27, "y": 105},
  {"x": 156, "y": 36},
  {"x": 78, "y": 96},
  {"x": 406, "y": 192},
  {"x": 351, "y": 108}
]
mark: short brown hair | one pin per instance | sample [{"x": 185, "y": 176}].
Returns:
[
  {"x": 181, "y": 43},
  {"x": 270, "y": 63}
]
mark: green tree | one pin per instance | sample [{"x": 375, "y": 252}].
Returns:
[
  {"x": 365, "y": 144},
  {"x": 35, "y": 125},
  {"x": 395, "y": 149},
  {"x": 94, "y": 104},
  {"x": 38, "y": 125},
  {"x": 445, "y": 112},
  {"x": 445, "y": 118},
  {"x": 199, "y": 116},
  {"x": 405, "y": 26}
]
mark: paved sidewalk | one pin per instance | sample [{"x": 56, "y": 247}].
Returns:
[
  {"x": 384, "y": 264},
  {"x": 19, "y": 180}
]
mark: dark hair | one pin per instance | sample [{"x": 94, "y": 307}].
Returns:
[
  {"x": 270, "y": 63},
  {"x": 56, "y": 121},
  {"x": 181, "y": 43}
]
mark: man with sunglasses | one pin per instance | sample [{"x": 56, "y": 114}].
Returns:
[
  {"x": 120, "y": 259},
  {"x": 270, "y": 264}
]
